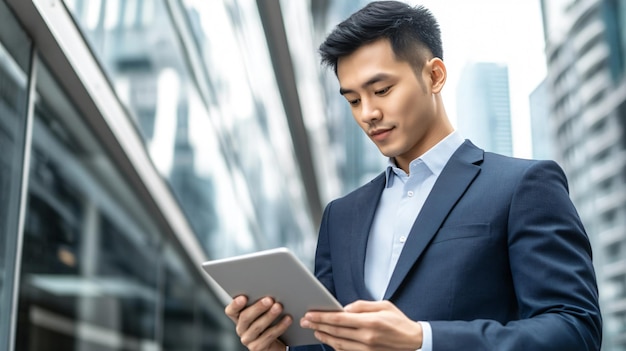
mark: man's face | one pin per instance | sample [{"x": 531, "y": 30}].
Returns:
[{"x": 395, "y": 108}]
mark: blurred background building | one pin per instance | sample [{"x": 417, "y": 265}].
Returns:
[
  {"x": 484, "y": 108},
  {"x": 586, "y": 83},
  {"x": 540, "y": 123}
]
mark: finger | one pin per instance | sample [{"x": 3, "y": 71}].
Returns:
[
  {"x": 259, "y": 319},
  {"x": 337, "y": 343},
  {"x": 269, "y": 336},
  {"x": 362, "y": 306},
  {"x": 249, "y": 314},
  {"x": 233, "y": 309},
  {"x": 343, "y": 319},
  {"x": 261, "y": 324},
  {"x": 337, "y": 331}
]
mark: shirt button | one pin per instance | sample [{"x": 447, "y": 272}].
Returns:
[
  {"x": 410, "y": 193},
  {"x": 402, "y": 239}
]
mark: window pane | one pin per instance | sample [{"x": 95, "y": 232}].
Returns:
[
  {"x": 15, "y": 50},
  {"x": 95, "y": 274},
  {"x": 239, "y": 64},
  {"x": 192, "y": 318},
  {"x": 140, "y": 52},
  {"x": 90, "y": 272}
]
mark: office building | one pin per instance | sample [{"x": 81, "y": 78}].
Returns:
[
  {"x": 541, "y": 128},
  {"x": 586, "y": 54},
  {"x": 483, "y": 106},
  {"x": 140, "y": 138}
]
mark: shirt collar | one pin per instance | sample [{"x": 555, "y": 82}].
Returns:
[{"x": 435, "y": 158}]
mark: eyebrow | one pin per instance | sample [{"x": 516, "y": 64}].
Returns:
[{"x": 375, "y": 79}]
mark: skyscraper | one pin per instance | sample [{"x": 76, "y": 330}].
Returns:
[
  {"x": 586, "y": 51},
  {"x": 483, "y": 106},
  {"x": 540, "y": 123}
]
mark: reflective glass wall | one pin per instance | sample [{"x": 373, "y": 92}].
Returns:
[
  {"x": 194, "y": 76},
  {"x": 98, "y": 273},
  {"x": 250, "y": 110},
  {"x": 104, "y": 250},
  {"x": 15, "y": 62}
]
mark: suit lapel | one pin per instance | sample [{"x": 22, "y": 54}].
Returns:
[
  {"x": 364, "y": 210},
  {"x": 453, "y": 181}
]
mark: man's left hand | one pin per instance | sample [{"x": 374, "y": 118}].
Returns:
[{"x": 365, "y": 325}]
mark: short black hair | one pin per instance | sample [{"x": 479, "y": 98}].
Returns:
[{"x": 409, "y": 29}]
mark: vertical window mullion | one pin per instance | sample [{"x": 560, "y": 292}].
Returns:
[{"x": 32, "y": 83}]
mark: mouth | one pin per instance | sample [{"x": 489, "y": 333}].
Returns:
[{"x": 380, "y": 134}]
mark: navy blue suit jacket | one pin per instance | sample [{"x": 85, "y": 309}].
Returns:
[{"x": 496, "y": 260}]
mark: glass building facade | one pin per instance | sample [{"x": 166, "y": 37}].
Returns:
[
  {"x": 140, "y": 138},
  {"x": 15, "y": 72}
]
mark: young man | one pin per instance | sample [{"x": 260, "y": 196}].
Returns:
[{"x": 451, "y": 248}]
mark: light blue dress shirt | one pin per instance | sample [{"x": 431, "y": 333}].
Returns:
[{"x": 400, "y": 203}]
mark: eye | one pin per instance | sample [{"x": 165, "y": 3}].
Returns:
[
  {"x": 354, "y": 102},
  {"x": 382, "y": 92}
]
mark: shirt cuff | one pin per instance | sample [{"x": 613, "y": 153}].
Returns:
[{"x": 427, "y": 337}]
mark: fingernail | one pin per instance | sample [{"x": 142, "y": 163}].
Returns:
[{"x": 267, "y": 301}]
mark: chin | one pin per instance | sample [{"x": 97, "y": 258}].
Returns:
[
  {"x": 388, "y": 153},
  {"x": 388, "y": 150}
]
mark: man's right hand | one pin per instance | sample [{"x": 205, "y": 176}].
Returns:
[{"x": 254, "y": 323}]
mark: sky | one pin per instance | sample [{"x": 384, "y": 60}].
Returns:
[{"x": 502, "y": 31}]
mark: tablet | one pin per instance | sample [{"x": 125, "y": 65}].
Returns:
[{"x": 279, "y": 274}]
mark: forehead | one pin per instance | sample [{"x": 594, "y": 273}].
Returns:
[{"x": 369, "y": 60}]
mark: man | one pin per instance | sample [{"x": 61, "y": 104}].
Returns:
[{"x": 452, "y": 248}]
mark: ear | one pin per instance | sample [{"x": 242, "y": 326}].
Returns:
[{"x": 438, "y": 74}]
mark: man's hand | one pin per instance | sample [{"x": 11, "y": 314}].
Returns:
[
  {"x": 254, "y": 323},
  {"x": 365, "y": 325}
]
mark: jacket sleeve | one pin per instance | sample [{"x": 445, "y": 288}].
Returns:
[
  {"x": 323, "y": 268},
  {"x": 552, "y": 271}
]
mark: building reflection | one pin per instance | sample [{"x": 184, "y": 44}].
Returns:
[
  {"x": 207, "y": 130},
  {"x": 99, "y": 274}
]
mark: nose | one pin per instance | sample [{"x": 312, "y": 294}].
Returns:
[{"x": 370, "y": 112}]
